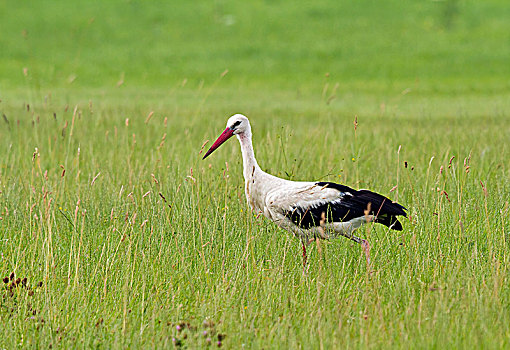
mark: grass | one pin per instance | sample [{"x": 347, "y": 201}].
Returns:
[{"x": 127, "y": 239}]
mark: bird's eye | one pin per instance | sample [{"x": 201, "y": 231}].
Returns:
[{"x": 235, "y": 125}]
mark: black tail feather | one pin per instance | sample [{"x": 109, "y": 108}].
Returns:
[{"x": 378, "y": 205}]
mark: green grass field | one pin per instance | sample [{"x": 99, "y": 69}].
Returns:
[{"x": 117, "y": 235}]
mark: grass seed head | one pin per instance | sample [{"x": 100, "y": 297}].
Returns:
[
  {"x": 450, "y": 162},
  {"x": 149, "y": 117}
]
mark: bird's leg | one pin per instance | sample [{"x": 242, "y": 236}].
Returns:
[
  {"x": 366, "y": 249},
  {"x": 304, "y": 255}
]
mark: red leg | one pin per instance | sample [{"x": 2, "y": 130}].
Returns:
[
  {"x": 304, "y": 254},
  {"x": 366, "y": 249}
]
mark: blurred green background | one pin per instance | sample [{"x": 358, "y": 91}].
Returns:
[{"x": 449, "y": 46}]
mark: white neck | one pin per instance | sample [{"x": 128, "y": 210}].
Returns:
[{"x": 250, "y": 165}]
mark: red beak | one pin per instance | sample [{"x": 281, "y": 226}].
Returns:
[{"x": 225, "y": 135}]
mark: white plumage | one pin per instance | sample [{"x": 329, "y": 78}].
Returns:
[{"x": 307, "y": 209}]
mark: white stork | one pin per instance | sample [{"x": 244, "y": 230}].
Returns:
[{"x": 308, "y": 209}]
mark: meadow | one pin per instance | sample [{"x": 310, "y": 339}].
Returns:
[{"x": 115, "y": 234}]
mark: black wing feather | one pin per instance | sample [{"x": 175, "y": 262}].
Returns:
[{"x": 352, "y": 204}]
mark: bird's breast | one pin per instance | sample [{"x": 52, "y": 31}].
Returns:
[{"x": 254, "y": 196}]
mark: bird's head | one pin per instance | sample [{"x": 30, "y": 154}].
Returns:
[{"x": 237, "y": 124}]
